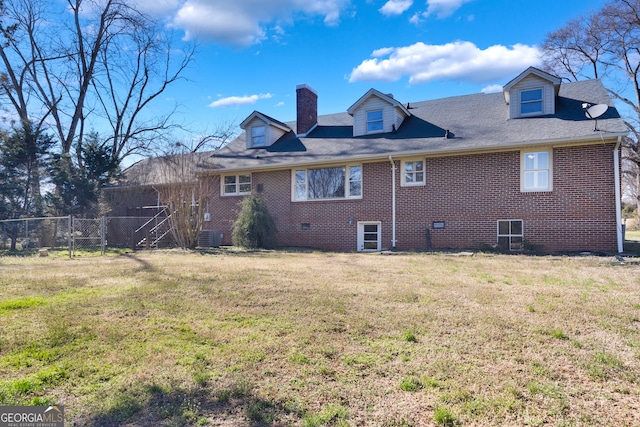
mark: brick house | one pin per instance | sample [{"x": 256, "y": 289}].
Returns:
[
  {"x": 136, "y": 193},
  {"x": 522, "y": 169}
]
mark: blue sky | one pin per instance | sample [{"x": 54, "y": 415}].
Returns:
[{"x": 253, "y": 53}]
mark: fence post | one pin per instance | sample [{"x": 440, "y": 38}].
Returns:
[
  {"x": 69, "y": 231},
  {"x": 26, "y": 233},
  {"x": 103, "y": 239}
]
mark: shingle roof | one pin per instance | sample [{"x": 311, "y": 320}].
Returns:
[
  {"x": 167, "y": 169},
  {"x": 265, "y": 118},
  {"x": 478, "y": 122}
]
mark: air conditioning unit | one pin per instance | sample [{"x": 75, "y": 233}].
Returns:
[{"x": 209, "y": 239}]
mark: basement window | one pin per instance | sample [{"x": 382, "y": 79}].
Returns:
[{"x": 511, "y": 234}]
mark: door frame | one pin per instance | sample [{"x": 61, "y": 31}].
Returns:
[{"x": 361, "y": 233}]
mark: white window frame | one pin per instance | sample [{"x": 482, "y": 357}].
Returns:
[
  {"x": 532, "y": 101},
  {"x": 511, "y": 246},
  {"x": 362, "y": 233},
  {"x": 372, "y": 121},
  {"x": 536, "y": 170},
  {"x": 237, "y": 185},
  {"x": 414, "y": 173},
  {"x": 263, "y": 128},
  {"x": 304, "y": 186}
]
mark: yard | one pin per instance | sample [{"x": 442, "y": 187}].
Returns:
[{"x": 233, "y": 338}]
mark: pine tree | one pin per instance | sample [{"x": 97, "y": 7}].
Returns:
[{"x": 254, "y": 227}]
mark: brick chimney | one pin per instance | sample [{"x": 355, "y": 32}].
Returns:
[{"x": 306, "y": 108}]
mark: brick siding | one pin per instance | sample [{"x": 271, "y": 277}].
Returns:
[
  {"x": 469, "y": 193},
  {"x": 306, "y": 109}
]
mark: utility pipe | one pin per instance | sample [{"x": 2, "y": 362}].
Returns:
[
  {"x": 393, "y": 203},
  {"x": 616, "y": 172}
]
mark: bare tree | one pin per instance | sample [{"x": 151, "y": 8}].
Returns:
[
  {"x": 184, "y": 194},
  {"x": 89, "y": 63},
  {"x": 186, "y": 199},
  {"x": 605, "y": 45}
]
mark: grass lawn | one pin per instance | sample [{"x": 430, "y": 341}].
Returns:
[{"x": 310, "y": 339}]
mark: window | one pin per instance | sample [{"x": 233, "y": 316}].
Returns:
[
  {"x": 536, "y": 171},
  {"x": 355, "y": 181},
  {"x": 234, "y": 185},
  {"x": 374, "y": 121},
  {"x": 510, "y": 234},
  {"x": 531, "y": 101},
  {"x": 369, "y": 236},
  {"x": 258, "y": 138},
  {"x": 413, "y": 173},
  {"x": 340, "y": 182}
]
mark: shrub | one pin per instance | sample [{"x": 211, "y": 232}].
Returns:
[{"x": 254, "y": 228}]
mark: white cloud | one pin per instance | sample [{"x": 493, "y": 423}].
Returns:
[
  {"x": 235, "y": 101},
  {"x": 395, "y": 7},
  {"x": 242, "y": 22},
  {"x": 443, "y": 8},
  {"x": 492, "y": 89},
  {"x": 460, "y": 60},
  {"x": 416, "y": 18}
]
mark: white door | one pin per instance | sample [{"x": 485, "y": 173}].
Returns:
[{"x": 369, "y": 236}]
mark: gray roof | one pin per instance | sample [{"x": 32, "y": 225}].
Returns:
[
  {"x": 478, "y": 122},
  {"x": 168, "y": 169}
]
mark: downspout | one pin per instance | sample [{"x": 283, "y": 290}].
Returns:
[
  {"x": 616, "y": 172},
  {"x": 393, "y": 203}
]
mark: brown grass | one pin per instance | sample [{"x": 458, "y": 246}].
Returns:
[{"x": 277, "y": 338}]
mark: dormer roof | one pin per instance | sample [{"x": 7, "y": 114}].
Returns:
[
  {"x": 373, "y": 92},
  {"x": 554, "y": 80},
  {"x": 268, "y": 120}
]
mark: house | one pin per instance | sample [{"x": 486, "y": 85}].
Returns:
[
  {"x": 522, "y": 169},
  {"x": 137, "y": 191}
]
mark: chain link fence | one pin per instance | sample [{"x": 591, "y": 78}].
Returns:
[{"x": 80, "y": 236}]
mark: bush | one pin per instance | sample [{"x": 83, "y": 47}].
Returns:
[{"x": 254, "y": 227}]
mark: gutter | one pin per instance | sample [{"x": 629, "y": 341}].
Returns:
[
  {"x": 616, "y": 172},
  {"x": 438, "y": 152},
  {"x": 393, "y": 203}
]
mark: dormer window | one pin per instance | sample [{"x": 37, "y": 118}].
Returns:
[
  {"x": 258, "y": 136},
  {"x": 532, "y": 93},
  {"x": 374, "y": 121},
  {"x": 531, "y": 101},
  {"x": 262, "y": 131},
  {"x": 376, "y": 112}
]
